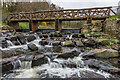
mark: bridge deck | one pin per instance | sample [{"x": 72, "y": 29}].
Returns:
[{"x": 63, "y": 15}]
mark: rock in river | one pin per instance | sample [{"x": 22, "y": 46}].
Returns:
[
  {"x": 103, "y": 41},
  {"x": 68, "y": 44},
  {"x": 90, "y": 42},
  {"x": 30, "y": 38},
  {"x": 39, "y": 60},
  {"x": 43, "y": 42},
  {"x": 21, "y": 38},
  {"x": 4, "y": 44},
  {"x": 69, "y": 54},
  {"x": 55, "y": 43},
  {"x": 105, "y": 66},
  {"x": 32, "y": 47},
  {"x": 102, "y": 53},
  {"x": 79, "y": 43}
]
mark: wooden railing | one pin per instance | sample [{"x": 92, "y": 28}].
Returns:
[{"x": 70, "y": 14}]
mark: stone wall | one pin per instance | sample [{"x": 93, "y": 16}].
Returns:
[
  {"x": 112, "y": 27},
  {"x": 92, "y": 27}
]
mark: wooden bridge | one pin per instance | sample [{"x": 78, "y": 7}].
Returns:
[{"x": 58, "y": 16}]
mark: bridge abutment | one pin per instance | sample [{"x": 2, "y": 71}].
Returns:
[
  {"x": 58, "y": 25},
  {"x": 15, "y": 25},
  {"x": 33, "y": 26}
]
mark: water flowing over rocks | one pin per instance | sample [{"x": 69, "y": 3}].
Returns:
[
  {"x": 21, "y": 38},
  {"x": 56, "y": 55}
]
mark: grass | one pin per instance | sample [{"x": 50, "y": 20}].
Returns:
[
  {"x": 3, "y": 24},
  {"x": 46, "y": 27},
  {"x": 116, "y": 16},
  {"x": 24, "y": 25}
]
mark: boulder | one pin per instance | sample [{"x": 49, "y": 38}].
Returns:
[
  {"x": 78, "y": 36},
  {"x": 45, "y": 35},
  {"x": 90, "y": 75},
  {"x": 4, "y": 44},
  {"x": 21, "y": 38},
  {"x": 103, "y": 41},
  {"x": 105, "y": 66},
  {"x": 90, "y": 43},
  {"x": 55, "y": 43},
  {"x": 68, "y": 44},
  {"x": 96, "y": 29},
  {"x": 70, "y": 54},
  {"x": 79, "y": 43},
  {"x": 84, "y": 30},
  {"x": 11, "y": 53},
  {"x": 32, "y": 47},
  {"x": 7, "y": 64},
  {"x": 97, "y": 35},
  {"x": 38, "y": 60},
  {"x": 102, "y": 53},
  {"x": 43, "y": 42},
  {"x": 55, "y": 35},
  {"x": 75, "y": 35},
  {"x": 14, "y": 40},
  {"x": 31, "y": 38}
]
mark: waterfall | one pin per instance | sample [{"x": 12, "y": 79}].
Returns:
[
  {"x": 57, "y": 68},
  {"x": 69, "y": 36},
  {"x": 26, "y": 64},
  {"x": 49, "y": 45},
  {"x": 36, "y": 35},
  {"x": 19, "y": 42},
  {"x": 48, "y": 36},
  {"x": 10, "y": 43},
  {"x": 16, "y": 64}
]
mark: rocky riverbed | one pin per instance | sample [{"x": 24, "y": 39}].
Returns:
[{"x": 58, "y": 55}]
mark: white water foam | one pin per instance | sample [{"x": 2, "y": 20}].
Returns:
[{"x": 56, "y": 69}]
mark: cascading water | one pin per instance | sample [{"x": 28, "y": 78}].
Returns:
[
  {"x": 69, "y": 36},
  {"x": 26, "y": 64},
  {"x": 57, "y": 68},
  {"x": 36, "y": 35},
  {"x": 10, "y": 43},
  {"x": 16, "y": 64}
]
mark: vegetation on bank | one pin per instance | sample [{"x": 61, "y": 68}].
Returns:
[
  {"x": 3, "y": 24},
  {"x": 116, "y": 16},
  {"x": 108, "y": 38}
]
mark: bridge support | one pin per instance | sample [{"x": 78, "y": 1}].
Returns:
[
  {"x": 89, "y": 21},
  {"x": 15, "y": 25},
  {"x": 58, "y": 25},
  {"x": 33, "y": 26}
]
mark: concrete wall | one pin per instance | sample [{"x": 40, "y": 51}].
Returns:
[{"x": 112, "y": 27}]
